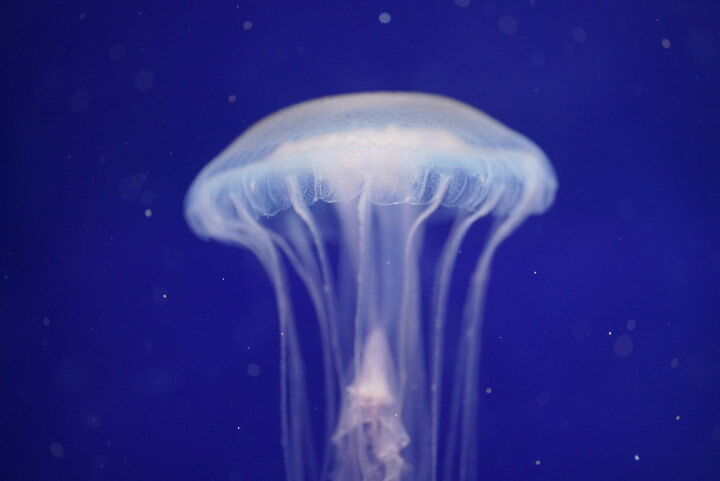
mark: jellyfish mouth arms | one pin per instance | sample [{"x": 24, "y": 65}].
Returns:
[
  {"x": 370, "y": 435},
  {"x": 373, "y": 381}
]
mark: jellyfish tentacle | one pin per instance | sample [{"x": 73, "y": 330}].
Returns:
[
  {"x": 441, "y": 288},
  {"x": 327, "y": 281},
  {"x": 312, "y": 286},
  {"x": 293, "y": 422},
  {"x": 327, "y": 321},
  {"x": 473, "y": 320},
  {"x": 409, "y": 296},
  {"x": 470, "y": 352}
]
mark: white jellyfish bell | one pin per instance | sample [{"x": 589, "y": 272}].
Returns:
[{"x": 343, "y": 190}]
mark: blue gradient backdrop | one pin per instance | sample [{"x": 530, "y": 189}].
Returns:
[{"x": 125, "y": 341}]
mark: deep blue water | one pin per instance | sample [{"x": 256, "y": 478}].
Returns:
[{"x": 128, "y": 344}]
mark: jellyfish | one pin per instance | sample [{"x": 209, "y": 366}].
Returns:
[{"x": 358, "y": 206}]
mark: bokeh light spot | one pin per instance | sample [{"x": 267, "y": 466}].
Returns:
[
  {"x": 144, "y": 80},
  {"x": 507, "y": 25},
  {"x": 56, "y": 450},
  {"x": 579, "y": 34},
  {"x": 117, "y": 52},
  {"x": 623, "y": 345},
  {"x": 79, "y": 100}
]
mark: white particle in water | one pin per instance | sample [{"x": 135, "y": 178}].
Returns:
[{"x": 159, "y": 295}]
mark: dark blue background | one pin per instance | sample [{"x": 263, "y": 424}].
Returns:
[{"x": 125, "y": 340}]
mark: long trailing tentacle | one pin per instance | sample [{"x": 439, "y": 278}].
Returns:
[
  {"x": 441, "y": 289},
  {"x": 294, "y": 420},
  {"x": 473, "y": 320},
  {"x": 327, "y": 320},
  {"x": 410, "y": 283}
]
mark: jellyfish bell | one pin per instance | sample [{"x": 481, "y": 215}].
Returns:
[
  {"x": 342, "y": 190},
  {"x": 396, "y": 143}
]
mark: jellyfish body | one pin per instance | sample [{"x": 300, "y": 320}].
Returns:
[{"x": 343, "y": 190}]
